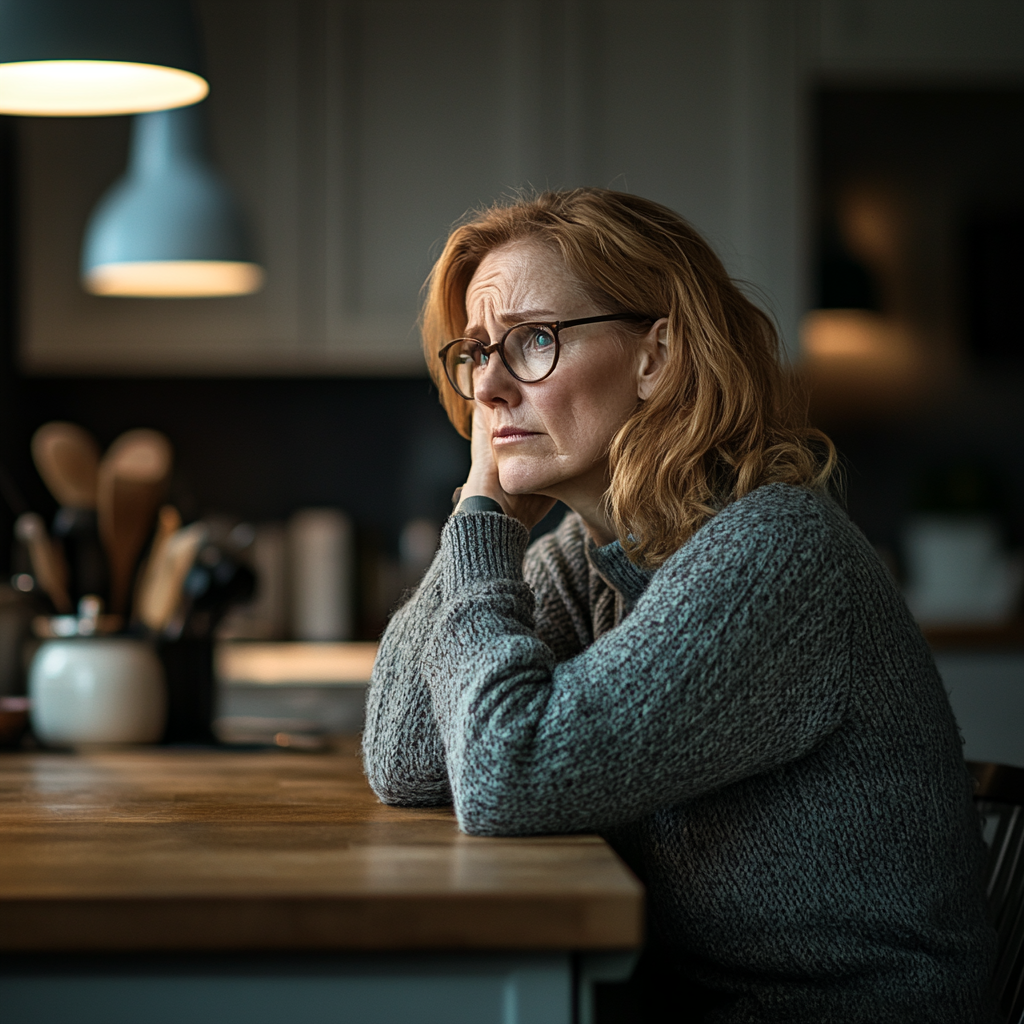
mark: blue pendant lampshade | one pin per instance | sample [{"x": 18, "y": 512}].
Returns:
[
  {"x": 86, "y": 57},
  {"x": 170, "y": 227}
]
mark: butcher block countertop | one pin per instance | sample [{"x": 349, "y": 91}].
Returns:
[{"x": 174, "y": 849}]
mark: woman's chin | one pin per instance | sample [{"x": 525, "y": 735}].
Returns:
[{"x": 514, "y": 480}]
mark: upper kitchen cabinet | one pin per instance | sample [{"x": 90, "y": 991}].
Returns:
[{"x": 356, "y": 132}]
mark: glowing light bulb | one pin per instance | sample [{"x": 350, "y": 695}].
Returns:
[
  {"x": 60, "y": 88},
  {"x": 175, "y": 278}
]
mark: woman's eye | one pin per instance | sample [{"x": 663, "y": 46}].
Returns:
[{"x": 543, "y": 339}]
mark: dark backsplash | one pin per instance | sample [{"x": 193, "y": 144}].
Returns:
[{"x": 382, "y": 450}]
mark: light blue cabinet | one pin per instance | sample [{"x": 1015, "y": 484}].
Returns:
[{"x": 353, "y": 989}]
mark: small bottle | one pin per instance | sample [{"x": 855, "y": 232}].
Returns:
[{"x": 320, "y": 563}]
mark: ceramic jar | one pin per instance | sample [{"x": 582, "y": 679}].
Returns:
[{"x": 97, "y": 690}]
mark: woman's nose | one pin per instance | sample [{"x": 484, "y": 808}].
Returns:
[{"x": 493, "y": 383}]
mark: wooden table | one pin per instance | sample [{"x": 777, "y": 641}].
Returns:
[{"x": 222, "y": 886}]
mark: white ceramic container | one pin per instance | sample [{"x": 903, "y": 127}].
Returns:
[
  {"x": 958, "y": 572},
  {"x": 97, "y": 690}
]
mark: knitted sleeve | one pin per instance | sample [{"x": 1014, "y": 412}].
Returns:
[
  {"x": 733, "y": 662},
  {"x": 403, "y": 755}
]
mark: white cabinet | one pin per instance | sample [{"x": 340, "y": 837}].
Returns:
[{"x": 357, "y": 131}]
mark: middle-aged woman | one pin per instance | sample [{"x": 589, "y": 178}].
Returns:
[{"x": 706, "y": 663}]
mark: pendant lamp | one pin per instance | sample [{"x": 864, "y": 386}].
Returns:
[
  {"x": 170, "y": 228},
  {"x": 87, "y": 57}
]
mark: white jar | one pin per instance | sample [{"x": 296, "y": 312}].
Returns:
[
  {"x": 97, "y": 690},
  {"x": 958, "y": 572}
]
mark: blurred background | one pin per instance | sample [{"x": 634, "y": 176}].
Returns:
[{"x": 859, "y": 163}]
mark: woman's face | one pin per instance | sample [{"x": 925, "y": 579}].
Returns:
[{"x": 551, "y": 437}]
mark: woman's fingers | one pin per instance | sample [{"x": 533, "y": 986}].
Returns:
[
  {"x": 483, "y": 473},
  {"x": 480, "y": 444},
  {"x": 483, "y": 479}
]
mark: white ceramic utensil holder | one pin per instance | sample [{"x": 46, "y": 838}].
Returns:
[{"x": 97, "y": 691}]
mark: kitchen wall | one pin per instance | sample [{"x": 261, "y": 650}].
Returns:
[{"x": 707, "y": 105}]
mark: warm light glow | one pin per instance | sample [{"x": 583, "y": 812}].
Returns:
[
  {"x": 175, "y": 279},
  {"x": 59, "y": 88},
  {"x": 851, "y": 334},
  {"x": 295, "y": 663}
]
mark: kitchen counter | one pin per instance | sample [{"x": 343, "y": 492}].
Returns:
[{"x": 165, "y": 853}]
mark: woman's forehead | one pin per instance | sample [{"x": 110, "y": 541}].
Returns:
[{"x": 522, "y": 280}]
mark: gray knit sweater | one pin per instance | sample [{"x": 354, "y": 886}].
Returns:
[{"x": 757, "y": 728}]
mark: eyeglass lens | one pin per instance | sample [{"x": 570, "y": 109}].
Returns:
[{"x": 529, "y": 352}]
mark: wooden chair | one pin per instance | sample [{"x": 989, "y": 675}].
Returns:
[{"x": 999, "y": 792}]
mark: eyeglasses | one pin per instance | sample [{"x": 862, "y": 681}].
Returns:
[{"x": 529, "y": 351}]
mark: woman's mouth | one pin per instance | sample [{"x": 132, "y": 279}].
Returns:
[{"x": 510, "y": 435}]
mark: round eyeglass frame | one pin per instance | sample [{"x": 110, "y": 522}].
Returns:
[{"x": 553, "y": 325}]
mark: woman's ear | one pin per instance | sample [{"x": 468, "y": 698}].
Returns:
[{"x": 653, "y": 358}]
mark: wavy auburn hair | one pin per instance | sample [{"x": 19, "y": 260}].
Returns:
[{"x": 722, "y": 419}]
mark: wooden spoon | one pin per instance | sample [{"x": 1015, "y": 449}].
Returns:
[
  {"x": 132, "y": 480},
  {"x": 148, "y": 601},
  {"x": 67, "y": 458},
  {"x": 163, "y": 595}
]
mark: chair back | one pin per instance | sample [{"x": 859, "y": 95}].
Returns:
[{"x": 999, "y": 793}]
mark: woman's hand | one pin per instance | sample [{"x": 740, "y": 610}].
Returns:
[{"x": 483, "y": 480}]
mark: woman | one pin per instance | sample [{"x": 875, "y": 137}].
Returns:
[{"x": 706, "y": 662}]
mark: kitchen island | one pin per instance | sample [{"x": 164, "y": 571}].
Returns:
[{"x": 210, "y": 885}]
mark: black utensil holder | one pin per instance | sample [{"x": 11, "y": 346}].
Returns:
[{"x": 188, "y": 666}]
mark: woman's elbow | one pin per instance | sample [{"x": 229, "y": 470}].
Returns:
[
  {"x": 397, "y": 784},
  {"x": 490, "y": 807}
]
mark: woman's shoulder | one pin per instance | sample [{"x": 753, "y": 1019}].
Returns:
[
  {"x": 782, "y": 510},
  {"x": 775, "y": 523}
]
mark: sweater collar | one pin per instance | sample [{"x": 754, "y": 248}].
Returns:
[{"x": 618, "y": 571}]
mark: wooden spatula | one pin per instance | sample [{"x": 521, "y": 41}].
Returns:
[
  {"x": 162, "y": 595},
  {"x": 132, "y": 481},
  {"x": 67, "y": 458},
  {"x": 148, "y": 587}
]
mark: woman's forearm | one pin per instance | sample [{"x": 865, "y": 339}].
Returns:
[
  {"x": 403, "y": 750},
  {"x": 403, "y": 754}
]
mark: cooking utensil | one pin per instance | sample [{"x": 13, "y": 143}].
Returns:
[
  {"x": 150, "y": 596},
  {"x": 67, "y": 458},
  {"x": 162, "y": 593},
  {"x": 132, "y": 480},
  {"x": 48, "y": 565},
  {"x": 212, "y": 586},
  {"x": 212, "y": 583},
  {"x": 76, "y": 531},
  {"x": 168, "y": 522}
]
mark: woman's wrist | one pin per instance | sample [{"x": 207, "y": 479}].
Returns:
[
  {"x": 478, "y": 486},
  {"x": 479, "y": 503},
  {"x": 529, "y": 509}
]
